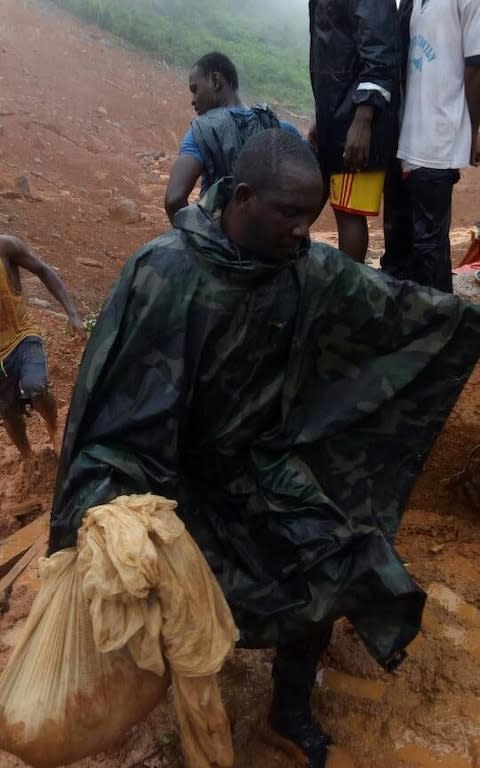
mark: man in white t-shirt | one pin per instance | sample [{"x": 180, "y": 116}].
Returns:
[{"x": 439, "y": 129}]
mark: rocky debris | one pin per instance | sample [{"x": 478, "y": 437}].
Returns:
[
  {"x": 89, "y": 262},
  {"x": 102, "y": 112},
  {"x": 466, "y": 287},
  {"x": 125, "y": 211},
  {"x": 23, "y": 186},
  {"x": 152, "y": 161},
  {"x": 22, "y": 190},
  {"x": 36, "y": 302},
  {"x": 10, "y": 194},
  {"x": 95, "y": 145}
]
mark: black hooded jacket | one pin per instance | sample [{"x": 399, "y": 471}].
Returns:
[
  {"x": 354, "y": 59},
  {"x": 404, "y": 14}
]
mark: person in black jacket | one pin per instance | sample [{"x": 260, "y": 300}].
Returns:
[
  {"x": 397, "y": 212},
  {"x": 355, "y": 74}
]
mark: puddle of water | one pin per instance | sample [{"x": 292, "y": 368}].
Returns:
[
  {"x": 455, "y": 635},
  {"x": 469, "y": 706},
  {"x": 454, "y": 603},
  {"x": 416, "y": 755},
  {"x": 430, "y": 623},
  {"x": 418, "y": 644},
  {"x": 357, "y": 687},
  {"x": 468, "y": 639}
]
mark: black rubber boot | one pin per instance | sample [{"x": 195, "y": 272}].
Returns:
[{"x": 291, "y": 720}]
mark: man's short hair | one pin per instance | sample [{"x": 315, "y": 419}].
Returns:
[
  {"x": 266, "y": 153},
  {"x": 218, "y": 62}
]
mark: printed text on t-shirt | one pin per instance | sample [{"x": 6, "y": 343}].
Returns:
[{"x": 419, "y": 45}]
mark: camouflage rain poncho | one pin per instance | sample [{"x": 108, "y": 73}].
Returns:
[{"x": 288, "y": 407}]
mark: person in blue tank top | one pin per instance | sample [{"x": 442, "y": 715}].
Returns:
[{"x": 216, "y": 136}]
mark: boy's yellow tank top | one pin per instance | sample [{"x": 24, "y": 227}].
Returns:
[{"x": 16, "y": 322}]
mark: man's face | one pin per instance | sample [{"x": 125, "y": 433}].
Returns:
[
  {"x": 278, "y": 219},
  {"x": 203, "y": 91}
]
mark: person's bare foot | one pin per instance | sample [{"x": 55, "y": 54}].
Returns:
[{"x": 56, "y": 439}]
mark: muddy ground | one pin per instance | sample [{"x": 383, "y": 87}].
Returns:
[{"x": 85, "y": 121}]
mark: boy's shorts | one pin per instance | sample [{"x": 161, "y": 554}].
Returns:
[
  {"x": 23, "y": 374},
  {"x": 357, "y": 193}
]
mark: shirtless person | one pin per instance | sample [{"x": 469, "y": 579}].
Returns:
[{"x": 23, "y": 365}]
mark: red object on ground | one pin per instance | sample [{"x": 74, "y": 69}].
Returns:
[{"x": 473, "y": 253}]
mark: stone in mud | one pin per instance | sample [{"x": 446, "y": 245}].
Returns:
[{"x": 125, "y": 211}]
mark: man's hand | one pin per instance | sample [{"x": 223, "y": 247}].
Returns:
[
  {"x": 472, "y": 93},
  {"x": 357, "y": 146}
]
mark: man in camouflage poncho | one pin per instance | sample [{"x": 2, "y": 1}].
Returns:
[{"x": 286, "y": 397}]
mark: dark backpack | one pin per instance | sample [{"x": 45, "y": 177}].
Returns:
[{"x": 220, "y": 135}]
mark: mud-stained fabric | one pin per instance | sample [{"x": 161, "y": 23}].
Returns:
[
  {"x": 288, "y": 406},
  {"x": 133, "y": 607}
]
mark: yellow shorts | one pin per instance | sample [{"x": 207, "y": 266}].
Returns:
[{"x": 359, "y": 193}]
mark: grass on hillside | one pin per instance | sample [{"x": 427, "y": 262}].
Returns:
[{"x": 269, "y": 70}]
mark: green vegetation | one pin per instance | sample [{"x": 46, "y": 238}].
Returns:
[
  {"x": 90, "y": 320},
  {"x": 269, "y": 46}
]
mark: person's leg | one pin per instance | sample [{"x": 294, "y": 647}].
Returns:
[
  {"x": 46, "y": 406},
  {"x": 33, "y": 381},
  {"x": 14, "y": 424},
  {"x": 353, "y": 197},
  {"x": 397, "y": 224},
  {"x": 431, "y": 195},
  {"x": 291, "y": 719},
  {"x": 10, "y": 410},
  {"x": 352, "y": 235}
]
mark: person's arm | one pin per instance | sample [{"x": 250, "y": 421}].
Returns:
[
  {"x": 18, "y": 253},
  {"x": 472, "y": 93},
  {"x": 185, "y": 174},
  {"x": 377, "y": 41},
  {"x": 359, "y": 136},
  {"x": 470, "y": 23}
]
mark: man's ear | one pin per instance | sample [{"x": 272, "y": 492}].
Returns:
[
  {"x": 243, "y": 195},
  {"x": 217, "y": 81}
]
